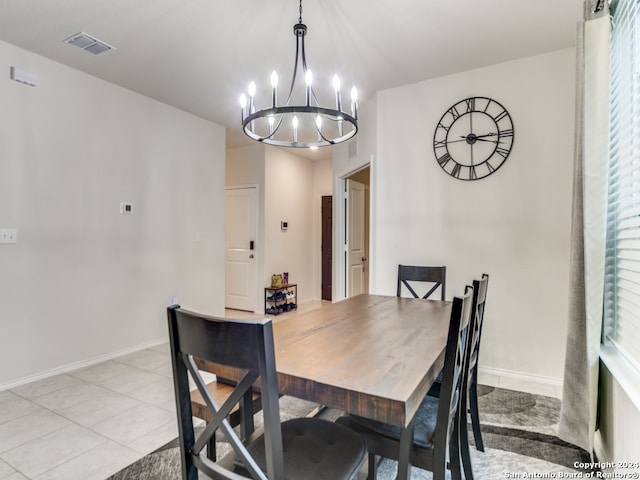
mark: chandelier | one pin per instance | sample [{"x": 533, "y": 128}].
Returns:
[{"x": 303, "y": 125}]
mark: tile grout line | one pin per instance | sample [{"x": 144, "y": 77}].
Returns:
[{"x": 89, "y": 428}]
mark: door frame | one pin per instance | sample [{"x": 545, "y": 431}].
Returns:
[{"x": 340, "y": 248}]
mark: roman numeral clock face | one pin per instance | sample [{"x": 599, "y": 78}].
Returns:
[{"x": 473, "y": 138}]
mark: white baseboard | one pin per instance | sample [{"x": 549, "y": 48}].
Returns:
[
  {"x": 512, "y": 380},
  {"x": 78, "y": 365}
]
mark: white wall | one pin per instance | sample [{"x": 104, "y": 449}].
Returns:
[
  {"x": 245, "y": 166},
  {"x": 288, "y": 197},
  {"x": 291, "y": 188},
  {"x": 514, "y": 225},
  {"x": 364, "y": 154},
  {"x": 84, "y": 281}
]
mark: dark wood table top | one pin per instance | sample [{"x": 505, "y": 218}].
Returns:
[
  {"x": 373, "y": 356},
  {"x": 370, "y": 355}
]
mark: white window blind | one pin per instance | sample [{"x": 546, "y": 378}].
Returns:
[{"x": 622, "y": 278}]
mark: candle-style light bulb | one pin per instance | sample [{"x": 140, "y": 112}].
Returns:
[
  {"x": 243, "y": 105},
  {"x": 271, "y": 120},
  {"x": 252, "y": 92},
  {"x": 354, "y": 102},
  {"x": 308, "y": 79},
  {"x": 336, "y": 87},
  {"x": 294, "y": 122},
  {"x": 274, "y": 88}
]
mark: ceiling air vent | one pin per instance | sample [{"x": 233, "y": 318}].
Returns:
[{"x": 88, "y": 43}]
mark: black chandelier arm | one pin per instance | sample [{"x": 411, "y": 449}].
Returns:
[
  {"x": 295, "y": 68},
  {"x": 304, "y": 69}
]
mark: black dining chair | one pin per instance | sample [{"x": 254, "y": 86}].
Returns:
[
  {"x": 436, "y": 425},
  {"x": 470, "y": 391},
  {"x": 433, "y": 276},
  {"x": 302, "y": 448},
  {"x": 480, "y": 299}
]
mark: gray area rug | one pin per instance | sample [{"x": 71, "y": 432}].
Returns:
[{"x": 519, "y": 432}]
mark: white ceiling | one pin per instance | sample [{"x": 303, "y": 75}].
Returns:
[{"x": 199, "y": 55}]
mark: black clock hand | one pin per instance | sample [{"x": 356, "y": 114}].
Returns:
[
  {"x": 487, "y": 135},
  {"x": 464, "y": 139},
  {"x": 479, "y": 136}
]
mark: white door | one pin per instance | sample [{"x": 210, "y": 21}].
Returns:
[
  {"x": 356, "y": 239},
  {"x": 241, "y": 225}
]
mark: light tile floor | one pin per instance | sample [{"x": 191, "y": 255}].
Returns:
[{"x": 89, "y": 423}]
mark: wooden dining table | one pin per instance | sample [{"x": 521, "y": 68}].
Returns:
[{"x": 369, "y": 355}]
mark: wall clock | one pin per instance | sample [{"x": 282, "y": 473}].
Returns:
[{"x": 473, "y": 138}]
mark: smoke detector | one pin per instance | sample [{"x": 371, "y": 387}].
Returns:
[{"x": 89, "y": 44}]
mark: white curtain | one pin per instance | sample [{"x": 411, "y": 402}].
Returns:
[{"x": 580, "y": 391}]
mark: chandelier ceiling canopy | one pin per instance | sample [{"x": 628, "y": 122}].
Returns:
[{"x": 302, "y": 122}]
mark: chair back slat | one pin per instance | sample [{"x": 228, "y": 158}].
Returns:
[
  {"x": 479, "y": 301},
  {"x": 423, "y": 274},
  {"x": 230, "y": 343}
]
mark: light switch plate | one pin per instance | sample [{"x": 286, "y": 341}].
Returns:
[{"x": 8, "y": 236}]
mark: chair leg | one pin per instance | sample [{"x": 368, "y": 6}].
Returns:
[
  {"x": 440, "y": 470},
  {"x": 463, "y": 434},
  {"x": 373, "y": 467},
  {"x": 465, "y": 452},
  {"x": 473, "y": 408},
  {"x": 211, "y": 448},
  {"x": 454, "y": 451}
]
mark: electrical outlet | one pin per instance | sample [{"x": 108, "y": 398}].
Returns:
[{"x": 8, "y": 235}]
